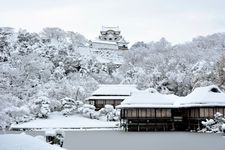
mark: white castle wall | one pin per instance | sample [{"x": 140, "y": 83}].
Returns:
[{"x": 104, "y": 46}]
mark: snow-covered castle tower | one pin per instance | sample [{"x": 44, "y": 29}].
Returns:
[{"x": 109, "y": 39}]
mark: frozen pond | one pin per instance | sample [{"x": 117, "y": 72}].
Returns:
[{"x": 111, "y": 140}]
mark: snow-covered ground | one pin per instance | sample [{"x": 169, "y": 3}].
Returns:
[
  {"x": 57, "y": 120},
  {"x": 24, "y": 142}
]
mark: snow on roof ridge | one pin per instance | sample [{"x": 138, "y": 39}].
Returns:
[
  {"x": 205, "y": 95},
  {"x": 205, "y": 87},
  {"x": 116, "y": 28},
  {"x": 115, "y": 89},
  {"x": 146, "y": 97}
]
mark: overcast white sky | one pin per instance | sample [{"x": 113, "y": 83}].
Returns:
[{"x": 140, "y": 20}]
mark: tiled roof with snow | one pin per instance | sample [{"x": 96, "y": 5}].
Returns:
[
  {"x": 147, "y": 98},
  {"x": 107, "y": 97},
  {"x": 115, "y": 90},
  {"x": 203, "y": 96}
]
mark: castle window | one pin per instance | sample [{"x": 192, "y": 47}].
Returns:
[
  {"x": 115, "y": 38},
  {"x": 105, "y": 39},
  {"x": 110, "y": 39}
]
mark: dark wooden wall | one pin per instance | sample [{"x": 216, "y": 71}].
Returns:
[
  {"x": 204, "y": 112},
  {"x": 146, "y": 113},
  {"x": 165, "y": 119},
  {"x": 101, "y": 103}
]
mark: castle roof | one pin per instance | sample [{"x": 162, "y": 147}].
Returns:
[
  {"x": 97, "y": 40},
  {"x": 110, "y": 28}
]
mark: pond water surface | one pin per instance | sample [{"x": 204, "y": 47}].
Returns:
[{"x": 111, "y": 140}]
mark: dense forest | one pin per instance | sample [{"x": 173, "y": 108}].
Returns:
[{"x": 39, "y": 69}]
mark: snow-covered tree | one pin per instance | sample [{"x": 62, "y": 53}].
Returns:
[
  {"x": 7, "y": 39},
  {"x": 70, "y": 106},
  {"x": 221, "y": 71},
  {"x": 88, "y": 110},
  {"x": 110, "y": 113},
  {"x": 40, "y": 107},
  {"x": 215, "y": 125}
]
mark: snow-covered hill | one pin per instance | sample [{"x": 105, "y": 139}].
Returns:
[{"x": 39, "y": 70}]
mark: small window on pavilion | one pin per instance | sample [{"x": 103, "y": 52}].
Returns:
[
  {"x": 215, "y": 90},
  {"x": 105, "y": 39},
  {"x": 115, "y": 38},
  {"x": 110, "y": 39}
]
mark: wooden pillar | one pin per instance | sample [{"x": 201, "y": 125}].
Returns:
[
  {"x": 198, "y": 124},
  {"x": 189, "y": 126},
  {"x": 138, "y": 127},
  {"x": 173, "y": 127}
]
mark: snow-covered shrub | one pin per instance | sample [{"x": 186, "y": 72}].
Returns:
[
  {"x": 107, "y": 113},
  {"x": 18, "y": 114},
  {"x": 54, "y": 136},
  {"x": 88, "y": 110},
  {"x": 14, "y": 114},
  {"x": 110, "y": 113},
  {"x": 214, "y": 125},
  {"x": 5, "y": 120},
  {"x": 40, "y": 107},
  {"x": 70, "y": 105},
  {"x": 55, "y": 105},
  {"x": 12, "y": 110},
  {"x": 44, "y": 110},
  {"x": 223, "y": 127}
]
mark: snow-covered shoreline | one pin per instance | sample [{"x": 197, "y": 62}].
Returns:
[
  {"x": 74, "y": 122},
  {"x": 24, "y": 142}
]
